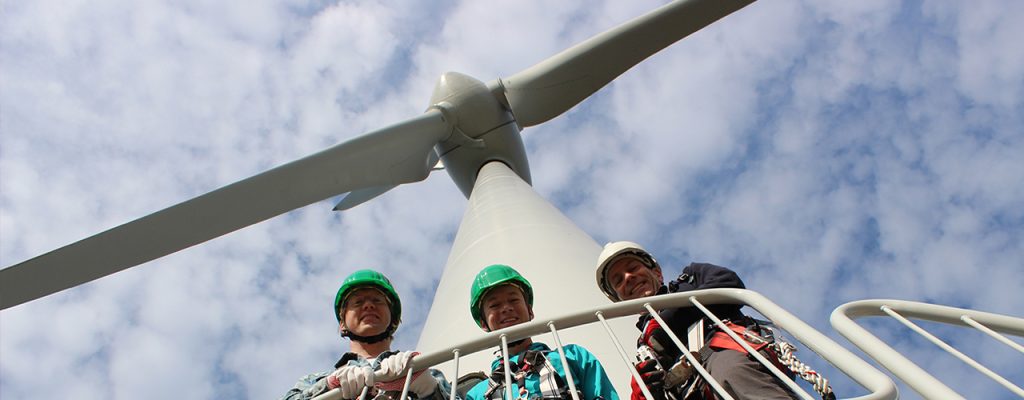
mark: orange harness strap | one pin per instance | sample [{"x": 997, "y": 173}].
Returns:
[{"x": 722, "y": 340}]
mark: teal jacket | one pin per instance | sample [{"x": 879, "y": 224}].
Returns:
[{"x": 587, "y": 374}]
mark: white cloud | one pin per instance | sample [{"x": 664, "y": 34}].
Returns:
[{"x": 828, "y": 151}]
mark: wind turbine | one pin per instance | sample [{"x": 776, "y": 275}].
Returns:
[{"x": 471, "y": 126}]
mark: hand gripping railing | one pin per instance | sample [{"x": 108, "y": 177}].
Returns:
[
  {"x": 874, "y": 381},
  {"x": 918, "y": 379}
]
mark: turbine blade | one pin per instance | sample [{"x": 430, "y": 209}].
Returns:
[
  {"x": 394, "y": 155},
  {"x": 553, "y": 86},
  {"x": 357, "y": 197}
]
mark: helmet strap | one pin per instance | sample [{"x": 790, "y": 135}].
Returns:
[{"x": 345, "y": 333}]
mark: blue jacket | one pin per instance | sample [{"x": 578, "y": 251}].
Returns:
[{"x": 587, "y": 373}]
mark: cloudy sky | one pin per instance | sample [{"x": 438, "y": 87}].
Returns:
[{"x": 827, "y": 150}]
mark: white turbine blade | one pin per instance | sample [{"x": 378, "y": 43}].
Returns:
[
  {"x": 401, "y": 153},
  {"x": 357, "y": 197},
  {"x": 553, "y": 86}
]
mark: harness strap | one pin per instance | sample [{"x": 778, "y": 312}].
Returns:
[
  {"x": 552, "y": 385},
  {"x": 763, "y": 340},
  {"x": 722, "y": 340}
]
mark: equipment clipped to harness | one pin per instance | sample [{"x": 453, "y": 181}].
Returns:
[
  {"x": 669, "y": 376},
  {"x": 762, "y": 338},
  {"x": 552, "y": 385},
  {"x": 785, "y": 351},
  {"x": 661, "y": 366}
]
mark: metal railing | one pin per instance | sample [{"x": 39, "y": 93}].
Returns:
[
  {"x": 874, "y": 381},
  {"x": 916, "y": 378}
]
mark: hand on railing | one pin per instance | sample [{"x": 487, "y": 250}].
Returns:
[
  {"x": 394, "y": 366},
  {"x": 355, "y": 388},
  {"x": 393, "y": 370},
  {"x": 349, "y": 380},
  {"x": 395, "y": 374}
]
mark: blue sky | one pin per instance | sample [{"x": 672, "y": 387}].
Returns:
[{"x": 827, "y": 151}]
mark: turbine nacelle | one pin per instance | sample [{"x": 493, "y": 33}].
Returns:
[{"x": 483, "y": 129}]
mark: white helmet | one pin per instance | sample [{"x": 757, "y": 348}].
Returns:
[{"x": 611, "y": 252}]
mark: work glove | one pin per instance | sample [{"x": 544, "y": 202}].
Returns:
[
  {"x": 394, "y": 366},
  {"x": 651, "y": 374},
  {"x": 351, "y": 380},
  {"x": 679, "y": 373},
  {"x": 392, "y": 375},
  {"x": 423, "y": 384}
]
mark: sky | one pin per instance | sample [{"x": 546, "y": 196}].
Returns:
[{"x": 828, "y": 151}]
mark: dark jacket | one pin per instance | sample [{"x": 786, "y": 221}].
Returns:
[{"x": 694, "y": 276}]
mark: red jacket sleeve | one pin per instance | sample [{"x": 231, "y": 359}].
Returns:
[{"x": 636, "y": 393}]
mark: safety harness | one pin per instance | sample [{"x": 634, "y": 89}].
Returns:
[
  {"x": 757, "y": 334},
  {"x": 760, "y": 338},
  {"x": 552, "y": 385}
]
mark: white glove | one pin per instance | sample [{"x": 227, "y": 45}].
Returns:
[
  {"x": 393, "y": 369},
  {"x": 423, "y": 384},
  {"x": 351, "y": 380},
  {"x": 395, "y": 366}
]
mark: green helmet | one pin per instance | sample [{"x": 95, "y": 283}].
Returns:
[
  {"x": 364, "y": 278},
  {"x": 491, "y": 277}
]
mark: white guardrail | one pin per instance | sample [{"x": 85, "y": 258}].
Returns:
[
  {"x": 920, "y": 381},
  {"x": 874, "y": 381}
]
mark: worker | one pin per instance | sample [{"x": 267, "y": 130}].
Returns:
[
  {"x": 369, "y": 311},
  {"x": 501, "y": 297},
  {"x": 626, "y": 271}
]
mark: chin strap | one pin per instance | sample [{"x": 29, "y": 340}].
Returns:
[{"x": 345, "y": 333}]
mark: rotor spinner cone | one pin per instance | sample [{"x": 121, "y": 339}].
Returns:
[{"x": 484, "y": 129}]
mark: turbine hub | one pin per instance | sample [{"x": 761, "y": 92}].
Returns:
[{"x": 483, "y": 130}]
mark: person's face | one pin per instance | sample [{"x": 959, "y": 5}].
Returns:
[
  {"x": 505, "y": 306},
  {"x": 632, "y": 279},
  {"x": 366, "y": 312}
]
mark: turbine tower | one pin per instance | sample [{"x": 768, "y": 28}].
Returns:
[{"x": 474, "y": 128}]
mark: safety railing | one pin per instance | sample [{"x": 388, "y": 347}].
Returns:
[
  {"x": 916, "y": 378},
  {"x": 878, "y": 385}
]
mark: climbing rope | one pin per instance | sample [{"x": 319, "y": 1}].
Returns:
[{"x": 785, "y": 351}]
